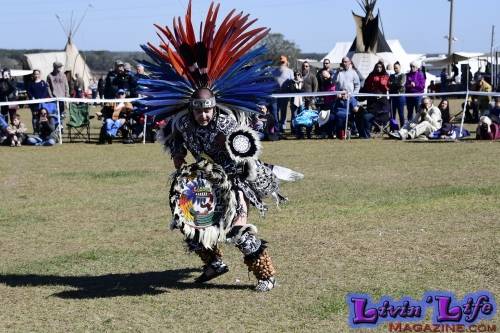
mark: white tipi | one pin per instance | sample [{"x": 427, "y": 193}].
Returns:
[{"x": 71, "y": 57}]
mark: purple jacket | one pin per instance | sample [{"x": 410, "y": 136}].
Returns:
[{"x": 418, "y": 78}]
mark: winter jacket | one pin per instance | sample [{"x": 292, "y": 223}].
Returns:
[
  {"x": 377, "y": 83},
  {"x": 397, "y": 83},
  {"x": 348, "y": 80},
  {"x": 416, "y": 77}
]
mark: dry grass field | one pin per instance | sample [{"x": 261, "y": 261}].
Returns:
[{"x": 85, "y": 245}]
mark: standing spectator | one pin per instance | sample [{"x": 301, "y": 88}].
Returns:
[
  {"x": 319, "y": 77},
  {"x": 432, "y": 87},
  {"x": 390, "y": 69},
  {"x": 117, "y": 79},
  {"x": 444, "y": 80},
  {"x": 58, "y": 84},
  {"x": 328, "y": 85},
  {"x": 415, "y": 84},
  {"x": 37, "y": 89},
  {"x": 377, "y": 82},
  {"x": 79, "y": 86},
  {"x": 139, "y": 72},
  {"x": 310, "y": 82},
  {"x": 347, "y": 78},
  {"x": 8, "y": 92},
  {"x": 296, "y": 102},
  {"x": 128, "y": 68},
  {"x": 397, "y": 86},
  {"x": 100, "y": 87},
  {"x": 484, "y": 101},
  {"x": 93, "y": 87},
  {"x": 284, "y": 77},
  {"x": 16, "y": 131},
  {"x": 466, "y": 78},
  {"x": 454, "y": 69}
]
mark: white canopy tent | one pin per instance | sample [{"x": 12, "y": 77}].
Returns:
[{"x": 71, "y": 59}]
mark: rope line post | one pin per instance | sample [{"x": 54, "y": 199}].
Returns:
[
  {"x": 144, "y": 130},
  {"x": 463, "y": 115},
  {"x": 59, "y": 127},
  {"x": 347, "y": 116}
]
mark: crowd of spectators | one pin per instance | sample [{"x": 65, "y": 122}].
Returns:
[
  {"x": 405, "y": 117},
  {"x": 325, "y": 117},
  {"x": 121, "y": 82}
]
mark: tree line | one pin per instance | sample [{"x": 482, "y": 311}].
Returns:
[{"x": 102, "y": 61}]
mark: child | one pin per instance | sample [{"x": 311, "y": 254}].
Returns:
[
  {"x": 16, "y": 131},
  {"x": 307, "y": 117}
]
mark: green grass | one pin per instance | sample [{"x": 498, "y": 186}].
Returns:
[{"x": 85, "y": 245}]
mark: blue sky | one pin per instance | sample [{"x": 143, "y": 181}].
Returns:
[{"x": 314, "y": 25}]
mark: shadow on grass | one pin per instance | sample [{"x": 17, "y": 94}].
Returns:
[{"x": 113, "y": 285}]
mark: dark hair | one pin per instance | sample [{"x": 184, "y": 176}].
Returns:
[
  {"x": 445, "y": 113},
  {"x": 397, "y": 63},
  {"x": 203, "y": 93},
  {"x": 381, "y": 64}
]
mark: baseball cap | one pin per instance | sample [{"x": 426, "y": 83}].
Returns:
[
  {"x": 119, "y": 63},
  {"x": 120, "y": 91},
  {"x": 57, "y": 64}
]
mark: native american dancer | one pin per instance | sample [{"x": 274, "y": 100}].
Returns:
[{"x": 206, "y": 89}]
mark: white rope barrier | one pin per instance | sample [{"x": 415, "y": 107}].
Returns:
[
  {"x": 287, "y": 95},
  {"x": 334, "y": 93}
]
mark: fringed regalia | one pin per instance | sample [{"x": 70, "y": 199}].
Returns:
[{"x": 205, "y": 196}]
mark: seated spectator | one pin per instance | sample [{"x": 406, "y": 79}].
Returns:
[
  {"x": 425, "y": 122},
  {"x": 3, "y": 130},
  {"x": 491, "y": 117},
  {"x": 365, "y": 119},
  {"x": 335, "y": 119},
  {"x": 47, "y": 133},
  {"x": 115, "y": 116},
  {"x": 307, "y": 117},
  {"x": 16, "y": 131},
  {"x": 263, "y": 124},
  {"x": 471, "y": 111},
  {"x": 444, "y": 107}
]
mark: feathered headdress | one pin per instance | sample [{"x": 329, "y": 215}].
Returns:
[{"x": 222, "y": 59}]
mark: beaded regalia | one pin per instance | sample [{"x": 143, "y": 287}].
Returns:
[{"x": 209, "y": 198}]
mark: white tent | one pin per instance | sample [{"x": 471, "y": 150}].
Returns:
[
  {"x": 71, "y": 58},
  {"x": 365, "y": 62}
]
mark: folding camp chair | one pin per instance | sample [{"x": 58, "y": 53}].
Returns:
[{"x": 79, "y": 121}]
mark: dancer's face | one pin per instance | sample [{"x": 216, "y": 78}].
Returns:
[{"x": 203, "y": 116}]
